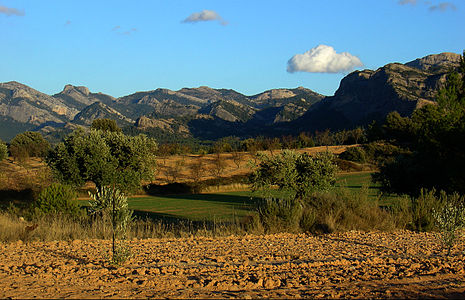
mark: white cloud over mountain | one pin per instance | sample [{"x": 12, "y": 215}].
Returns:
[{"x": 323, "y": 59}]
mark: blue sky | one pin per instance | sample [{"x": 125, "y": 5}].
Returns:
[{"x": 120, "y": 47}]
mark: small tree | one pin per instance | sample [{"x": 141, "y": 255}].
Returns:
[
  {"x": 3, "y": 151},
  {"x": 111, "y": 205},
  {"x": 105, "y": 125},
  {"x": 57, "y": 198},
  {"x": 296, "y": 173},
  {"x": 28, "y": 144}
]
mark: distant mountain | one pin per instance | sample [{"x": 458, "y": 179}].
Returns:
[
  {"x": 207, "y": 113},
  {"x": 98, "y": 110},
  {"x": 79, "y": 97}
]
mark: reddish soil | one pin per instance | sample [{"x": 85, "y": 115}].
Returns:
[{"x": 352, "y": 264}]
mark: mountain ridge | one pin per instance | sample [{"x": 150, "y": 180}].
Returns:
[{"x": 204, "y": 112}]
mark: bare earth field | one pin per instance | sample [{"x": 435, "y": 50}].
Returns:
[{"x": 351, "y": 264}]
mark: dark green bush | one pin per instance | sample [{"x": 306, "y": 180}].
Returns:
[
  {"x": 57, "y": 198},
  {"x": 3, "y": 151},
  {"x": 356, "y": 154}
]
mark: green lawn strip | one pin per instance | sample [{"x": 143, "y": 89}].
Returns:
[
  {"x": 355, "y": 181},
  {"x": 221, "y": 206}
]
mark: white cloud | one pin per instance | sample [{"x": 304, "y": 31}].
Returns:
[
  {"x": 443, "y": 6},
  {"x": 10, "y": 11},
  {"x": 204, "y": 15},
  {"x": 323, "y": 59}
]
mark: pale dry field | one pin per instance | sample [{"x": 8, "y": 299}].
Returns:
[{"x": 352, "y": 264}]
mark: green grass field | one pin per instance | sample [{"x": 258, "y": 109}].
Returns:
[{"x": 225, "y": 206}]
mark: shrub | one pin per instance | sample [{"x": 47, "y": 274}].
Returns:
[
  {"x": 3, "y": 151},
  {"x": 356, "y": 154},
  {"x": 450, "y": 218},
  {"x": 28, "y": 144},
  {"x": 57, "y": 198},
  {"x": 341, "y": 210},
  {"x": 422, "y": 208},
  {"x": 280, "y": 214},
  {"x": 112, "y": 205}
]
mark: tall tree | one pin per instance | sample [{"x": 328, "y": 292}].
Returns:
[{"x": 105, "y": 158}]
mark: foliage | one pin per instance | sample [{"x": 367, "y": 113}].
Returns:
[
  {"x": 422, "y": 208},
  {"x": 105, "y": 125},
  {"x": 325, "y": 212},
  {"x": 104, "y": 158},
  {"x": 3, "y": 151},
  {"x": 297, "y": 173},
  {"x": 356, "y": 154},
  {"x": 434, "y": 137},
  {"x": 28, "y": 144},
  {"x": 112, "y": 206},
  {"x": 450, "y": 219},
  {"x": 277, "y": 214},
  {"x": 57, "y": 198}
]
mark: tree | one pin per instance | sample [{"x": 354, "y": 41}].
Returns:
[
  {"x": 299, "y": 174},
  {"x": 112, "y": 206},
  {"x": 3, "y": 150},
  {"x": 105, "y": 125},
  {"x": 28, "y": 144},
  {"x": 105, "y": 158}
]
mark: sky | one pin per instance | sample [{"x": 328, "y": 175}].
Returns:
[{"x": 121, "y": 47}]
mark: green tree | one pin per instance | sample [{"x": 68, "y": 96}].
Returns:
[
  {"x": 298, "y": 174},
  {"x": 111, "y": 205},
  {"x": 105, "y": 158},
  {"x": 3, "y": 150},
  {"x": 28, "y": 144},
  {"x": 57, "y": 198},
  {"x": 105, "y": 125}
]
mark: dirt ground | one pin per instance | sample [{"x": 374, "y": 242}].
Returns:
[{"x": 345, "y": 265}]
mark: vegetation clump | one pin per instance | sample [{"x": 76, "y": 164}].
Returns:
[
  {"x": 57, "y": 199},
  {"x": 111, "y": 205},
  {"x": 3, "y": 150},
  {"x": 28, "y": 144},
  {"x": 105, "y": 158}
]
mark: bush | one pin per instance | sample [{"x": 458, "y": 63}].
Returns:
[
  {"x": 57, "y": 198},
  {"x": 325, "y": 212},
  {"x": 422, "y": 208},
  {"x": 450, "y": 218},
  {"x": 278, "y": 215},
  {"x": 342, "y": 210},
  {"x": 29, "y": 144},
  {"x": 3, "y": 151},
  {"x": 356, "y": 154}
]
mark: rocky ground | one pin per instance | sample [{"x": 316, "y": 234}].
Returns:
[{"x": 352, "y": 264}]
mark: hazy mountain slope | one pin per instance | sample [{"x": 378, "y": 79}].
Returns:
[
  {"x": 79, "y": 97},
  {"x": 98, "y": 110},
  {"x": 26, "y": 105}
]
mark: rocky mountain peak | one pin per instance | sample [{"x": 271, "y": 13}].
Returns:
[
  {"x": 70, "y": 89},
  {"x": 436, "y": 62}
]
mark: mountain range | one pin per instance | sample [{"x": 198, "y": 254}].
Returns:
[{"x": 206, "y": 113}]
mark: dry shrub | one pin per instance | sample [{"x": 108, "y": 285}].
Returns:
[{"x": 341, "y": 210}]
